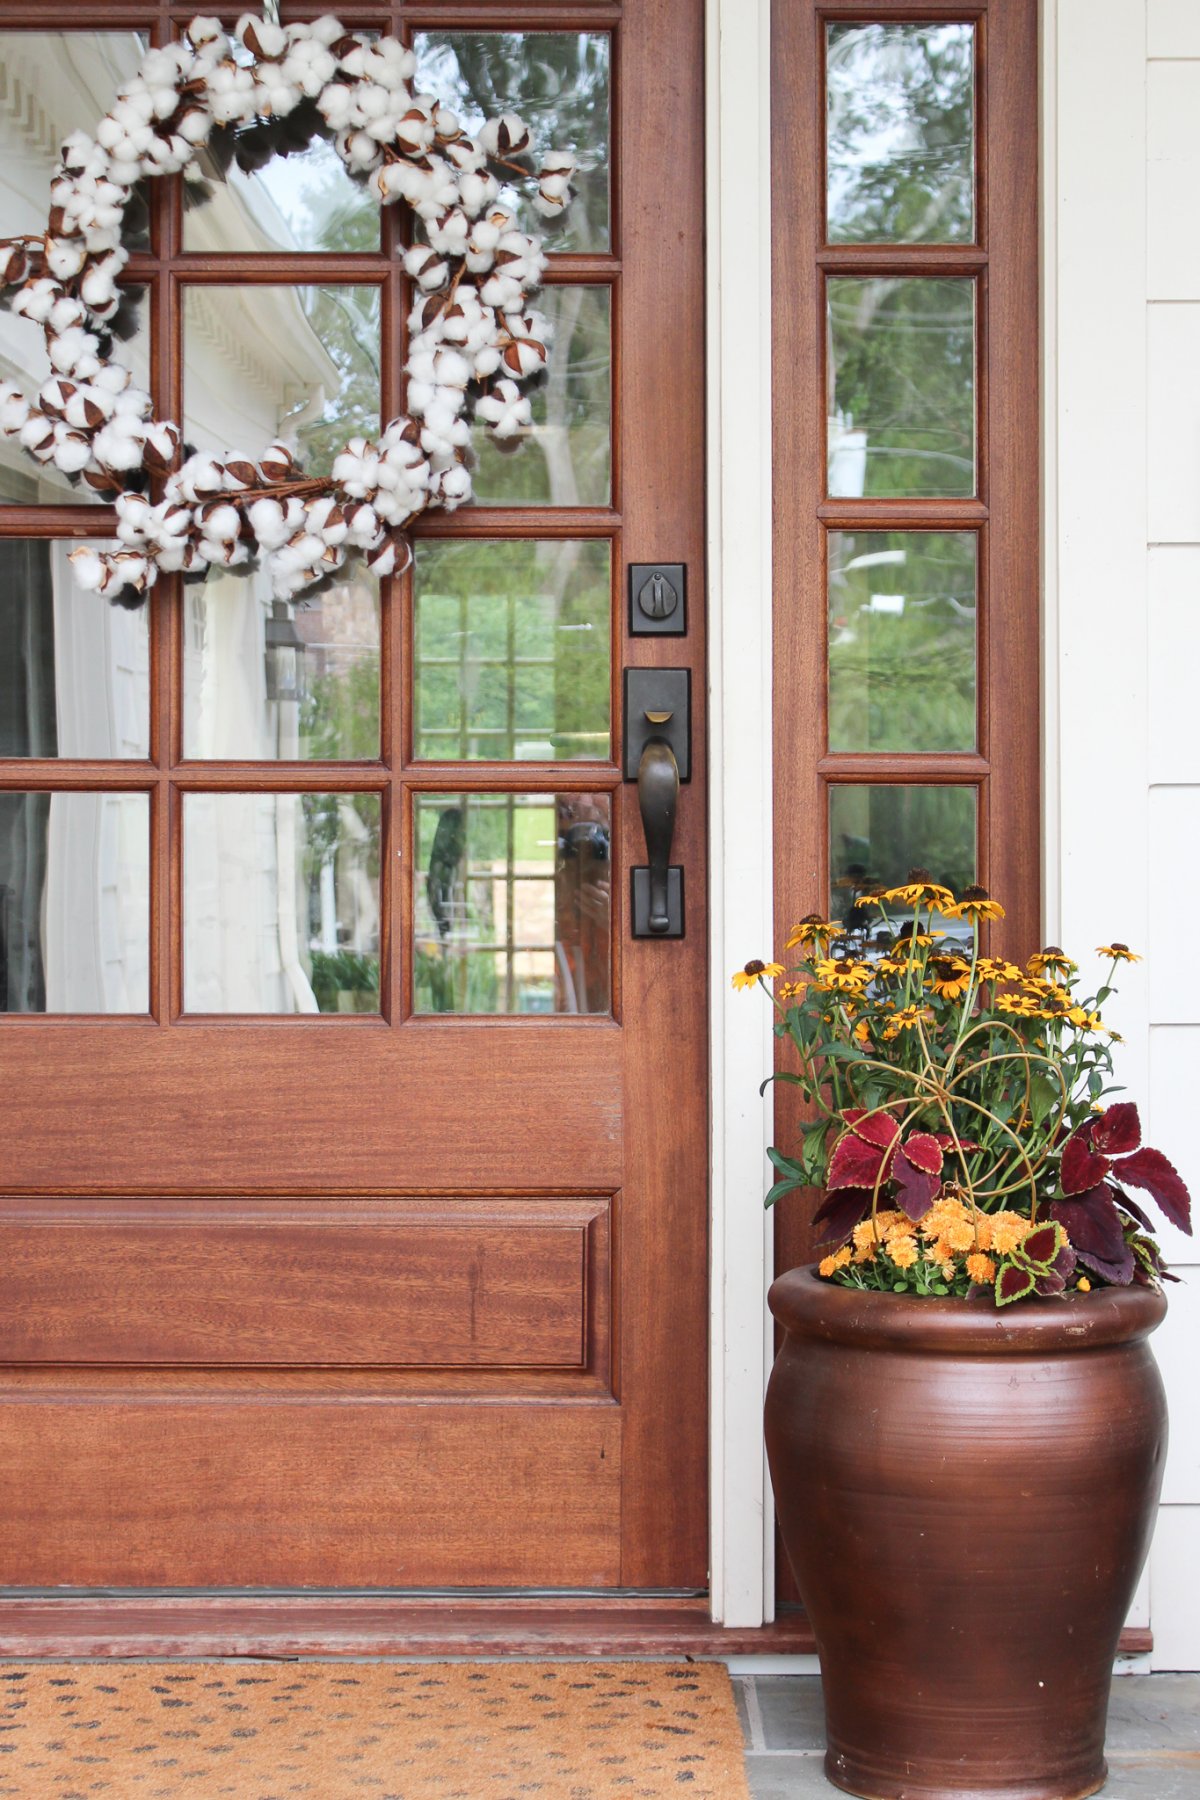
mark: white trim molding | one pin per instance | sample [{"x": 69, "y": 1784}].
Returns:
[{"x": 739, "y": 587}]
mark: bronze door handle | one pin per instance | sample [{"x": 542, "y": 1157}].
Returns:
[{"x": 658, "y": 796}]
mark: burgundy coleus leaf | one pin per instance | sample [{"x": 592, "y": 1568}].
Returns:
[
  {"x": 1117, "y": 1131},
  {"x": 916, "y": 1189},
  {"x": 1081, "y": 1167},
  {"x": 1118, "y": 1270},
  {"x": 1012, "y": 1284},
  {"x": 1042, "y": 1244},
  {"x": 874, "y": 1128},
  {"x": 1049, "y": 1283},
  {"x": 1092, "y": 1223},
  {"x": 855, "y": 1163},
  {"x": 840, "y": 1212},
  {"x": 923, "y": 1152},
  {"x": 1150, "y": 1169},
  {"x": 967, "y": 1145}
]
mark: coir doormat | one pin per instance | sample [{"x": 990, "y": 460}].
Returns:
[{"x": 391, "y": 1731}]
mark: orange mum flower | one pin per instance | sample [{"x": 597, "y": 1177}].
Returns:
[
  {"x": 981, "y": 1268},
  {"x": 903, "y": 1250},
  {"x": 1008, "y": 1229},
  {"x": 830, "y": 1264}
]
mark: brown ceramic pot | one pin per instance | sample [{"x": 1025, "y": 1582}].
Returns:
[{"x": 967, "y": 1497}]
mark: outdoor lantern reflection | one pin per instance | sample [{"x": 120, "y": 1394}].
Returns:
[{"x": 284, "y": 656}]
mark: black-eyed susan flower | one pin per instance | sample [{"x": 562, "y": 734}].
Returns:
[
  {"x": 920, "y": 889},
  {"x": 948, "y": 976},
  {"x": 1051, "y": 960},
  {"x": 907, "y": 1019},
  {"x": 812, "y": 930},
  {"x": 789, "y": 990},
  {"x": 1118, "y": 951},
  {"x": 1083, "y": 1020},
  {"x": 1022, "y": 1006},
  {"x": 842, "y": 974},
  {"x": 975, "y": 904},
  {"x": 994, "y": 968},
  {"x": 755, "y": 971}
]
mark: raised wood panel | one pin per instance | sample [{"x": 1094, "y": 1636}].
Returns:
[
  {"x": 295, "y": 1106},
  {"x": 102, "y": 1491},
  {"x": 229, "y": 1283}
]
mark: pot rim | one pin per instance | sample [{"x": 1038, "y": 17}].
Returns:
[{"x": 808, "y": 1306}]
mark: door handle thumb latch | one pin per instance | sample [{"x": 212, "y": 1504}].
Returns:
[{"x": 658, "y": 758}]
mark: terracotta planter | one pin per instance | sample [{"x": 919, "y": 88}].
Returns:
[{"x": 967, "y": 1498}]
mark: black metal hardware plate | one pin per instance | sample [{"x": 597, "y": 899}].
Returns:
[
  {"x": 657, "y": 599},
  {"x": 640, "y": 885},
  {"x": 658, "y": 691}
]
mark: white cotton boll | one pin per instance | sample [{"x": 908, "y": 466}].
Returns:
[
  {"x": 88, "y": 407},
  {"x": 221, "y": 521},
  {"x": 452, "y": 369},
  {"x": 414, "y": 131},
  {"x": 453, "y": 486},
  {"x": 506, "y": 136},
  {"x": 119, "y": 446},
  {"x": 268, "y": 523},
  {"x": 325, "y": 30},
  {"x": 477, "y": 191},
  {"x": 90, "y": 568},
  {"x": 427, "y": 268},
  {"x": 261, "y": 36},
  {"x": 359, "y": 150},
  {"x": 502, "y": 292},
  {"x": 66, "y": 351},
  {"x": 523, "y": 357},
  {"x": 487, "y": 361},
  {"x": 66, "y": 312},
  {"x": 200, "y": 478},
  {"x": 449, "y": 234},
  {"x": 110, "y": 132},
  {"x": 326, "y": 520},
  {"x": 205, "y": 29},
  {"x": 382, "y": 561},
  {"x": 72, "y": 451},
  {"x": 357, "y": 469},
  {"x": 74, "y": 153},
  {"x": 231, "y": 94},
  {"x": 363, "y": 526},
  {"x": 134, "y": 403},
  {"x": 134, "y": 516},
  {"x": 114, "y": 378},
  {"x": 310, "y": 65},
  {"x": 54, "y": 394},
  {"x": 195, "y": 126},
  {"x": 336, "y": 105},
  {"x": 35, "y": 300},
  {"x": 14, "y": 409},
  {"x": 98, "y": 289},
  {"x": 465, "y": 157},
  {"x": 505, "y": 409},
  {"x": 37, "y": 436},
  {"x": 162, "y": 445}
]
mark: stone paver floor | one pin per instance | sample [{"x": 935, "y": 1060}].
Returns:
[{"x": 1153, "y": 1737}]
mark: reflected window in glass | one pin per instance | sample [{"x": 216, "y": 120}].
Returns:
[
  {"x": 254, "y": 196},
  {"x": 513, "y": 657},
  {"x": 559, "y": 82},
  {"x": 74, "y": 903},
  {"x": 902, "y": 640},
  {"x": 900, "y": 133},
  {"x": 565, "y": 457},
  {"x": 281, "y": 910},
  {"x": 901, "y": 386},
  {"x": 74, "y": 671},
  {"x": 269, "y": 361},
  {"x": 879, "y": 831},
  {"x": 513, "y": 903},
  {"x": 267, "y": 679}
]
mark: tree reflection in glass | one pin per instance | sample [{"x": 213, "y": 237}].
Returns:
[{"x": 900, "y": 129}]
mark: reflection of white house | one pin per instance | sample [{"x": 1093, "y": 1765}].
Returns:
[{"x": 254, "y": 368}]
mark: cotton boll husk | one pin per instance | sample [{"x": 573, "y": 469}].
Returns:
[
  {"x": 506, "y": 136},
  {"x": 88, "y": 407}
]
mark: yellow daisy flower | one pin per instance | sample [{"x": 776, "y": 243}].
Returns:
[
  {"x": 1118, "y": 951},
  {"x": 754, "y": 971},
  {"x": 812, "y": 929},
  {"x": 1051, "y": 959},
  {"x": 976, "y": 905},
  {"x": 1022, "y": 1006},
  {"x": 993, "y": 968},
  {"x": 920, "y": 889},
  {"x": 948, "y": 976},
  {"x": 842, "y": 973}
]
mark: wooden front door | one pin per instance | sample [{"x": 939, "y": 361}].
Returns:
[{"x": 354, "y": 1218}]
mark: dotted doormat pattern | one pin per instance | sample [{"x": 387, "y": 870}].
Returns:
[{"x": 391, "y": 1731}]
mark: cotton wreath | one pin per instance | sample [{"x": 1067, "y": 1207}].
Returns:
[{"x": 475, "y": 342}]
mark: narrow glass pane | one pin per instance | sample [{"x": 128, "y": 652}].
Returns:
[
  {"x": 296, "y": 363},
  {"x": 266, "y": 679},
  {"x": 902, "y": 640},
  {"x": 877, "y": 833},
  {"x": 513, "y": 903},
  {"x": 559, "y": 83},
  {"x": 513, "y": 653},
  {"x": 74, "y": 671},
  {"x": 565, "y": 458},
  {"x": 54, "y": 83},
  {"x": 901, "y": 386},
  {"x": 281, "y": 903},
  {"x": 256, "y": 197},
  {"x": 74, "y": 903},
  {"x": 900, "y": 133}
]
